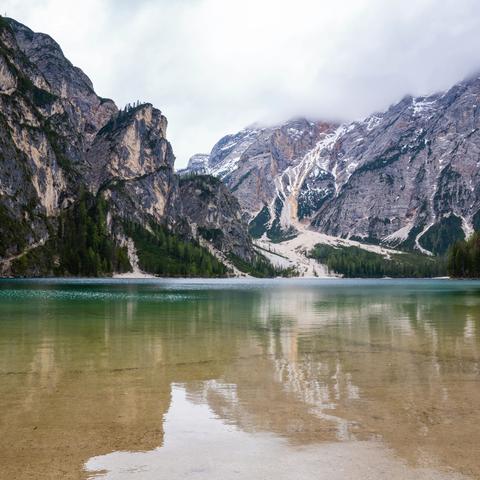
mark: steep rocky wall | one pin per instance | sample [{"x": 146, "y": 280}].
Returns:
[
  {"x": 216, "y": 215},
  {"x": 397, "y": 177},
  {"x": 59, "y": 139}
]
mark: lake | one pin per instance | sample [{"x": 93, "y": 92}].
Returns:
[{"x": 239, "y": 379}]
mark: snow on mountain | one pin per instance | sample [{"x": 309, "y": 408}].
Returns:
[
  {"x": 408, "y": 177},
  {"x": 197, "y": 164}
]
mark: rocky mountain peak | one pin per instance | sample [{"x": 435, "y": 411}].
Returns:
[
  {"x": 197, "y": 164},
  {"x": 131, "y": 145},
  {"x": 63, "y": 79},
  {"x": 68, "y": 154},
  {"x": 406, "y": 177},
  {"x": 262, "y": 165}
]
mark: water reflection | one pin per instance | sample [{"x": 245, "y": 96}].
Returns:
[
  {"x": 88, "y": 368},
  {"x": 199, "y": 444}
]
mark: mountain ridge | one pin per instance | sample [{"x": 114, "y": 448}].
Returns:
[
  {"x": 73, "y": 164},
  {"x": 77, "y": 166},
  {"x": 397, "y": 177}
]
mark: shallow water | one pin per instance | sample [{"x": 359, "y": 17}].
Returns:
[{"x": 239, "y": 379}]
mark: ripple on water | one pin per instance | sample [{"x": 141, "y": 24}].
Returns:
[{"x": 94, "y": 295}]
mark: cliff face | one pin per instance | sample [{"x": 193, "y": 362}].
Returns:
[
  {"x": 58, "y": 140},
  {"x": 407, "y": 177},
  {"x": 215, "y": 215},
  {"x": 88, "y": 112},
  {"x": 263, "y": 168},
  {"x": 40, "y": 146},
  {"x": 131, "y": 162}
]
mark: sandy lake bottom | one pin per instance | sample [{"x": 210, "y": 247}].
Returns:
[{"x": 190, "y": 379}]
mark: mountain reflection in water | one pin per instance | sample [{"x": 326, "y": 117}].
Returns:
[{"x": 90, "y": 368}]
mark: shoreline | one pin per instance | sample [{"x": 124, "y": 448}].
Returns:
[{"x": 147, "y": 277}]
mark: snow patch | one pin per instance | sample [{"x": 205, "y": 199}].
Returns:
[
  {"x": 372, "y": 122},
  {"x": 422, "y": 105},
  {"x": 289, "y": 184},
  {"x": 466, "y": 227},
  {"x": 224, "y": 169},
  {"x": 294, "y": 252},
  {"x": 417, "y": 238},
  {"x": 400, "y": 235}
]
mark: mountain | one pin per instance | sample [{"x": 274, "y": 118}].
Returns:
[
  {"x": 408, "y": 177},
  {"x": 415, "y": 169},
  {"x": 197, "y": 164},
  {"x": 262, "y": 167},
  {"x": 89, "y": 189}
]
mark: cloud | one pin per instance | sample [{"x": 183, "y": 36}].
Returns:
[{"x": 214, "y": 66}]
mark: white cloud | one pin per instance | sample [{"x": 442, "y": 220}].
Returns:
[{"x": 214, "y": 66}]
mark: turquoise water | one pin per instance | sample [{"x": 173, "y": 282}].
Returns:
[{"x": 90, "y": 367}]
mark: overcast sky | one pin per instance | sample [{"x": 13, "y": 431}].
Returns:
[{"x": 215, "y": 66}]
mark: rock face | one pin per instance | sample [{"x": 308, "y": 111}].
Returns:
[
  {"x": 59, "y": 139},
  {"x": 90, "y": 112},
  {"x": 131, "y": 161},
  {"x": 407, "y": 177},
  {"x": 263, "y": 168},
  {"x": 40, "y": 143},
  {"x": 197, "y": 164},
  {"x": 216, "y": 215}
]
